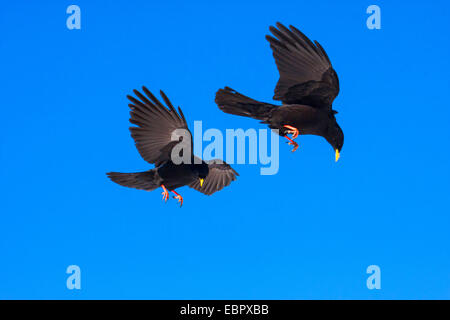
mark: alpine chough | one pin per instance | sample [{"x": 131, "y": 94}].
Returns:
[
  {"x": 153, "y": 136},
  {"x": 307, "y": 87}
]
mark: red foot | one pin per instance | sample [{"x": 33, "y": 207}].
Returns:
[
  {"x": 292, "y": 130},
  {"x": 292, "y": 143},
  {"x": 295, "y": 133},
  {"x": 165, "y": 193},
  {"x": 178, "y": 197}
]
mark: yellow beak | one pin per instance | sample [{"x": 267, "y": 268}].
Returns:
[
  {"x": 337, "y": 155},
  {"x": 201, "y": 182}
]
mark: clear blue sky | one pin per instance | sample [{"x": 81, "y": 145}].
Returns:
[{"x": 308, "y": 232}]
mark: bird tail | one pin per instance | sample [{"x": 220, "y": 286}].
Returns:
[
  {"x": 148, "y": 180},
  {"x": 231, "y": 101}
]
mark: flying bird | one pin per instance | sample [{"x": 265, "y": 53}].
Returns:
[
  {"x": 153, "y": 136},
  {"x": 307, "y": 88}
]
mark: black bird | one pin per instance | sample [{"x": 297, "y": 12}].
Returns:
[
  {"x": 307, "y": 87},
  {"x": 155, "y": 125}
]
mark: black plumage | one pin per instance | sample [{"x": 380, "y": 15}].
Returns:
[
  {"x": 152, "y": 133},
  {"x": 307, "y": 88}
]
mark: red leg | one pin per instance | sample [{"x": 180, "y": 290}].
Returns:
[
  {"x": 165, "y": 193},
  {"x": 178, "y": 197}
]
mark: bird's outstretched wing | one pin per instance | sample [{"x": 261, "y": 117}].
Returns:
[
  {"x": 155, "y": 125},
  {"x": 306, "y": 74},
  {"x": 220, "y": 175}
]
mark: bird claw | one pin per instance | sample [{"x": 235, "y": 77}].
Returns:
[
  {"x": 292, "y": 130},
  {"x": 165, "y": 194},
  {"x": 180, "y": 199},
  {"x": 295, "y": 144}
]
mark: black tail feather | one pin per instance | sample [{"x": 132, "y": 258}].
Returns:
[
  {"x": 231, "y": 101},
  {"x": 148, "y": 180}
]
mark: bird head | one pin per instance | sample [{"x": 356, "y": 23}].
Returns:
[{"x": 335, "y": 137}]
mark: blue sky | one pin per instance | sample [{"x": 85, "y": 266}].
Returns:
[{"x": 308, "y": 232}]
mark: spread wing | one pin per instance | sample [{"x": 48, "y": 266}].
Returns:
[
  {"x": 154, "y": 126},
  {"x": 220, "y": 175},
  {"x": 306, "y": 74}
]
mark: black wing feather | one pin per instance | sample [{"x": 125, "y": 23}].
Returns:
[
  {"x": 220, "y": 176},
  {"x": 154, "y": 126},
  {"x": 306, "y": 73}
]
